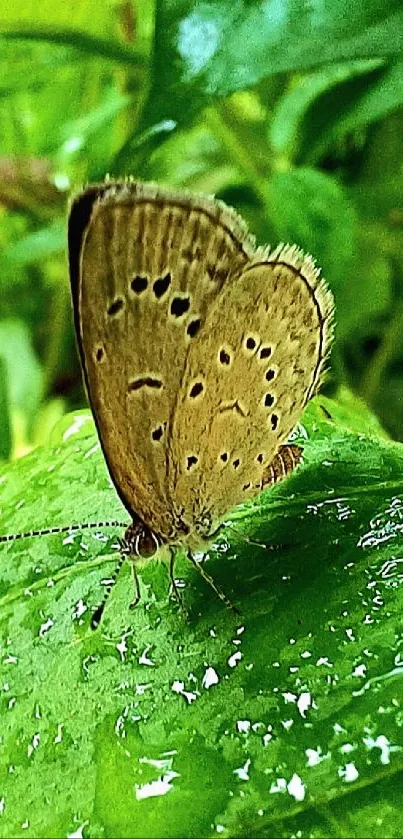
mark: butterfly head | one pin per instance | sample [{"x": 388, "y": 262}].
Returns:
[
  {"x": 142, "y": 542},
  {"x": 198, "y": 532},
  {"x": 139, "y": 540}
]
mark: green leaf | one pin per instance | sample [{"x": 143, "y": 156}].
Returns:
[
  {"x": 370, "y": 281},
  {"x": 285, "y": 719},
  {"x": 35, "y": 246},
  {"x": 225, "y": 46},
  {"x": 347, "y": 411},
  {"x": 311, "y": 208},
  {"x": 87, "y": 127},
  {"x": 88, "y": 44},
  {"x": 298, "y": 107},
  {"x": 348, "y": 108},
  {"x": 205, "y": 49}
]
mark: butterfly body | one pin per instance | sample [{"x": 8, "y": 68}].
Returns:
[{"x": 199, "y": 353}]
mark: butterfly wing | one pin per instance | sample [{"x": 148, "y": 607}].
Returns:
[
  {"x": 146, "y": 266},
  {"x": 256, "y": 363}
]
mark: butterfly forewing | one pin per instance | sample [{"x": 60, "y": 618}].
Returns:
[
  {"x": 146, "y": 266},
  {"x": 199, "y": 351}
]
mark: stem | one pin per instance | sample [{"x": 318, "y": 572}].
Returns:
[
  {"x": 392, "y": 340},
  {"x": 238, "y": 152},
  {"x": 59, "y": 310}
]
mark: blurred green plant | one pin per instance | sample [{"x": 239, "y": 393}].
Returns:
[
  {"x": 291, "y": 112},
  {"x": 291, "y": 115}
]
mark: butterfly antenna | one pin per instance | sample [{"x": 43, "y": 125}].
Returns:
[{"x": 70, "y": 528}]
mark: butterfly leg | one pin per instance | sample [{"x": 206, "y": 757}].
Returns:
[
  {"x": 136, "y": 585},
  {"x": 96, "y": 618},
  {"x": 125, "y": 553},
  {"x": 174, "y": 587},
  {"x": 208, "y": 579}
]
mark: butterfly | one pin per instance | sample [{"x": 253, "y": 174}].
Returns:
[{"x": 199, "y": 351}]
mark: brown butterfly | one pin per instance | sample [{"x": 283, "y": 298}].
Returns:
[{"x": 199, "y": 353}]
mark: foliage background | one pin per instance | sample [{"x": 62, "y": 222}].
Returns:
[{"x": 291, "y": 112}]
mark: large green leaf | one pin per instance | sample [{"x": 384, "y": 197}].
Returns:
[
  {"x": 285, "y": 720},
  {"x": 206, "y": 48}
]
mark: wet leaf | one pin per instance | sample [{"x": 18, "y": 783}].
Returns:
[{"x": 286, "y": 718}]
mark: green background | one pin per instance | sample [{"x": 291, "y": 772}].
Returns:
[{"x": 287, "y": 720}]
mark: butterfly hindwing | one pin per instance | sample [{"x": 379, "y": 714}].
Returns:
[{"x": 257, "y": 362}]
